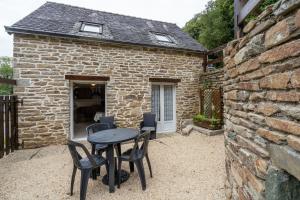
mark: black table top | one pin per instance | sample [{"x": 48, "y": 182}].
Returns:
[{"x": 113, "y": 136}]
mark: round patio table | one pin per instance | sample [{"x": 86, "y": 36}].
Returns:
[{"x": 112, "y": 137}]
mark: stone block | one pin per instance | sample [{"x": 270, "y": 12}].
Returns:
[
  {"x": 252, "y": 86},
  {"x": 232, "y": 95},
  {"x": 281, "y": 186},
  {"x": 294, "y": 142},
  {"x": 249, "y": 26},
  {"x": 254, "y": 47},
  {"x": 253, "y": 181},
  {"x": 264, "y": 25},
  {"x": 246, "y": 143},
  {"x": 284, "y": 125},
  {"x": 187, "y": 130},
  {"x": 285, "y": 6},
  {"x": 207, "y": 131},
  {"x": 243, "y": 95},
  {"x": 275, "y": 81},
  {"x": 291, "y": 111},
  {"x": 268, "y": 10},
  {"x": 281, "y": 32},
  {"x": 258, "y": 119},
  {"x": 297, "y": 19},
  {"x": 261, "y": 167},
  {"x": 285, "y": 158},
  {"x": 289, "y": 96},
  {"x": 281, "y": 52},
  {"x": 267, "y": 109},
  {"x": 295, "y": 79},
  {"x": 249, "y": 65},
  {"x": 256, "y": 96},
  {"x": 274, "y": 136}
]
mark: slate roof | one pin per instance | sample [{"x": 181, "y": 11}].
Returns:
[{"x": 65, "y": 20}]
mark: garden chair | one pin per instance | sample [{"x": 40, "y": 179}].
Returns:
[
  {"x": 136, "y": 155},
  {"x": 100, "y": 148},
  {"x": 86, "y": 165},
  {"x": 149, "y": 124},
  {"x": 110, "y": 120}
]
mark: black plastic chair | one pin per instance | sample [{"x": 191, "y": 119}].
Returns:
[
  {"x": 149, "y": 124},
  {"x": 136, "y": 155},
  {"x": 100, "y": 148},
  {"x": 86, "y": 165},
  {"x": 110, "y": 120}
]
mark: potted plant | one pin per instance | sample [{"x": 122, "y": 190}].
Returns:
[{"x": 205, "y": 122}]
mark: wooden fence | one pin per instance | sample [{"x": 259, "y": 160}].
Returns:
[
  {"x": 8, "y": 121},
  {"x": 211, "y": 102},
  {"x": 242, "y": 9},
  {"x": 217, "y": 53},
  {"x": 8, "y": 124}
]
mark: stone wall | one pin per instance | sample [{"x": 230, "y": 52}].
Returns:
[
  {"x": 262, "y": 110},
  {"x": 41, "y": 64},
  {"x": 213, "y": 78}
]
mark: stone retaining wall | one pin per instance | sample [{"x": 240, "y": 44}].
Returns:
[
  {"x": 41, "y": 64},
  {"x": 213, "y": 78},
  {"x": 262, "y": 110}
]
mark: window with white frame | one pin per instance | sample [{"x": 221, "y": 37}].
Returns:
[
  {"x": 91, "y": 28},
  {"x": 163, "y": 38}
]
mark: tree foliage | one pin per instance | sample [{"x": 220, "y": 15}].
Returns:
[
  {"x": 215, "y": 25},
  {"x": 6, "y": 71}
]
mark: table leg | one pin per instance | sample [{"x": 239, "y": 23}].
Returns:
[
  {"x": 119, "y": 149},
  {"x": 111, "y": 173}
]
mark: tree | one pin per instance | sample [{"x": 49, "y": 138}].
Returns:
[
  {"x": 6, "y": 71},
  {"x": 214, "y": 26}
]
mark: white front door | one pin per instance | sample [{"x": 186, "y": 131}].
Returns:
[{"x": 164, "y": 106}]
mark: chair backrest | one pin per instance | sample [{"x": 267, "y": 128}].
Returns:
[
  {"x": 143, "y": 149},
  {"x": 149, "y": 119},
  {"x": 72, "y": 145},
  {"x": 110, "y": 120},
  {"x": 96, "y": 127}
]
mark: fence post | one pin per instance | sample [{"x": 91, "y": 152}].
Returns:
[
  {"x": 204, "y": 64},
  {"x": 16, "y": 133},
  {"x": 201, "y": 101},
  {"x": 1, "y": 128},
  {"x": 7, "y": 140},
  {"x": 12, "y": 123}
]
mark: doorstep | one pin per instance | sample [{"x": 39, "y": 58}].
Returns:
[{"x": 207, "y": 131}]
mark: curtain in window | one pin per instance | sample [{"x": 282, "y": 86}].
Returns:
[
  {"x": 155, "y": 101},
  {"x": 168, "y": 103}
]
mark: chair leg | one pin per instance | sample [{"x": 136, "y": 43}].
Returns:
[
  {"x": 73, "y": 179},
  {"x": 85, "y": 175},
  {"x": 119, "y": 172},
  {"x": 107, "y": 167},
  {"x": 149, "y": 164},
  {"x": 93, "y": 149},
  {"x": 131, "y": 166},
  {"x": 141, "y": 172}
]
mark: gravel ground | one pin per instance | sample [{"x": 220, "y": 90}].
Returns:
[{"x": 184, "y": 168}]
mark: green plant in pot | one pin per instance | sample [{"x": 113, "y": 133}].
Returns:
[{"x": 205, "y": 122}]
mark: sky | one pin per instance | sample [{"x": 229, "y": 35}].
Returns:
[{"x": 174, "y": 11}]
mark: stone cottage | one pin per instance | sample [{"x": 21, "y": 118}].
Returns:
[{"x": 74, "y": 64}]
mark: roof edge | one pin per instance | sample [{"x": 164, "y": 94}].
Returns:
[{"x": 11, "y": 30}]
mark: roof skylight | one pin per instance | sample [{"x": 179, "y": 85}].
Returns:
[
  {"x": 163, "y": 38},
  {"x": 91, "y": 28}
]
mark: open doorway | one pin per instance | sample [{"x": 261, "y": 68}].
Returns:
[{"x": 87, "y": 106}]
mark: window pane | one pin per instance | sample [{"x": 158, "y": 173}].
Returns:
[
  {"x": 155, "y": 101},
  {"x": 163, "y": 38},
  {"x": 92, "y": 28},
  {"x": 168, "y": 102}
]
